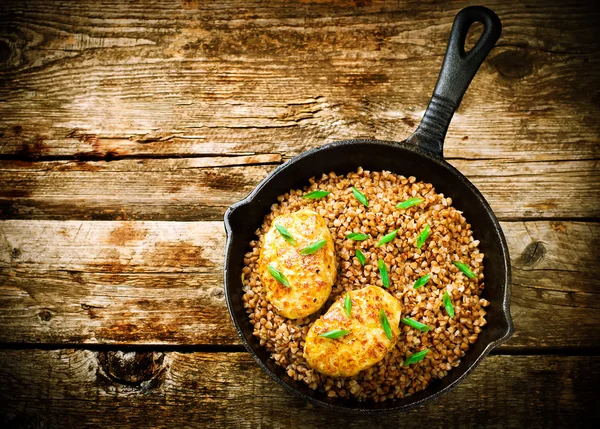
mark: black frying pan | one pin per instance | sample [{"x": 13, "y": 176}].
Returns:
[{"x": 420, "y": 156}]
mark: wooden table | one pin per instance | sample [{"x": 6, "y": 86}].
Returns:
[{"x": 127, "y": 130}]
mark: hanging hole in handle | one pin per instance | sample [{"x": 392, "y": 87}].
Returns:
[{"x": 474, "y": 34}]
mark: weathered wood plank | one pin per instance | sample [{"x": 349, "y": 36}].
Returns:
[
  {"x": 203, "y": 188},
  {"x": 66, "y": 388},
  {"x": 228, "y": 77},
  {"x": 165, "y": 189},
  {"x": 161, "y": 283}
]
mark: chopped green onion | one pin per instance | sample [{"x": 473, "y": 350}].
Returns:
[
  {"x": 387, "y": 238},
  {"x": 357, "y": 236},
  {"x": 314, "y": 195},
  {"x": 312, "y": 248},
  {"x": 465, "y": 269},
  {"x": 278, "y": 275},
  {"x": 423, "y": 236},
  {"x": 422, "y": 281},
  {"x": 361, "y": 257},
  {"x": 414, "y": 324},
  {"x": 385, "y": 324},
  {"x": 416, "y": 357},
  {"x": 360, "y": 197},
  {"x": 335, "y": 333},
  {"x": 348, "y": 305},
  {"x": 409, "y": 203},
  {"x": 285, "y": 234},
  {"x": 384, "y": 273},
  {"x": 448, "y": 304}
]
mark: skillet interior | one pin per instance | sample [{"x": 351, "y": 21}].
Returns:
[{"x": 243, "y": 218}]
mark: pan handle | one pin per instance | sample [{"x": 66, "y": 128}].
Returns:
[{"x": 458, "y": 70}]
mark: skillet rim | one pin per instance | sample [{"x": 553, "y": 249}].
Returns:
[{"x": 436, "y": 158}]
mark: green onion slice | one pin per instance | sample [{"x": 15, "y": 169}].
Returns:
[
  {"x": 312, "y": 248},
  {"x": 387, "y": 238},
  {"x": 285, "y": 234},
  {"x": 348, "y": 305},
  {"x": 414, "y": 324},
  {"x": 448, "y": 304},
  {"x": 335, "y": 333},
  {"x": 465, "y": 269},
  {"x": 385, "y": 324},
  {"x": 416, "y": 357},
  {"x": 278, "y": 275},
  {"x": 360, "y": 197},
  {"x": 361, "y": 257},
  {"x": 423, "y": 236},
  {"x": 385, "y": 279},
  {"x": 409, "y": 203},
  {"x": 357, "y": 236},
  {"x": 422, "y": 281},
  {"x": 315, "y": 195}
]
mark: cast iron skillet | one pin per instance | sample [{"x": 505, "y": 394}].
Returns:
[{"x": 420, "y": 156}]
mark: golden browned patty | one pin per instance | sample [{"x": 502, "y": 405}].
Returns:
[
  {"x": 365, "y": 345},
  {"x": 310, "y": 277}
]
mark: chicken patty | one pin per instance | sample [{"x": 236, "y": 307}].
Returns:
[
  {"x": 309, "y": 277},
  {"x": 365, "y": 342}
]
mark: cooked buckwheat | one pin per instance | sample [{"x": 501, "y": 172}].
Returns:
[{"x": 451, "y": 239}]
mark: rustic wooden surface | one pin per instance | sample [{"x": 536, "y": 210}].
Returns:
[
  {"x": 127, "y": 129},
  {"x": 229, "y": 390},
  {"x": 168, "y": 277}
]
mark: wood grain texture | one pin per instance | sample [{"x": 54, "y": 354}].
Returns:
[
  {"x": 84, "y": 389},
  {"x": 203, "y": 188},
  {"x": 146, "y": 282},
  {"x": 100, "y": 78},
  {"x": 127, "y": 129}
]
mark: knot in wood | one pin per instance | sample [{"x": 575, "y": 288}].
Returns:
[
  {"x": 131, "y": 368},
  {"x": 217, "y": 293},
  {"x": 15, "y": 253},
  {"x": 45, "y": 315},
  {"x": 513, "y": 64},
  {"x": 533, "y": 254},
  {"x": 5, "y": 52}
]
